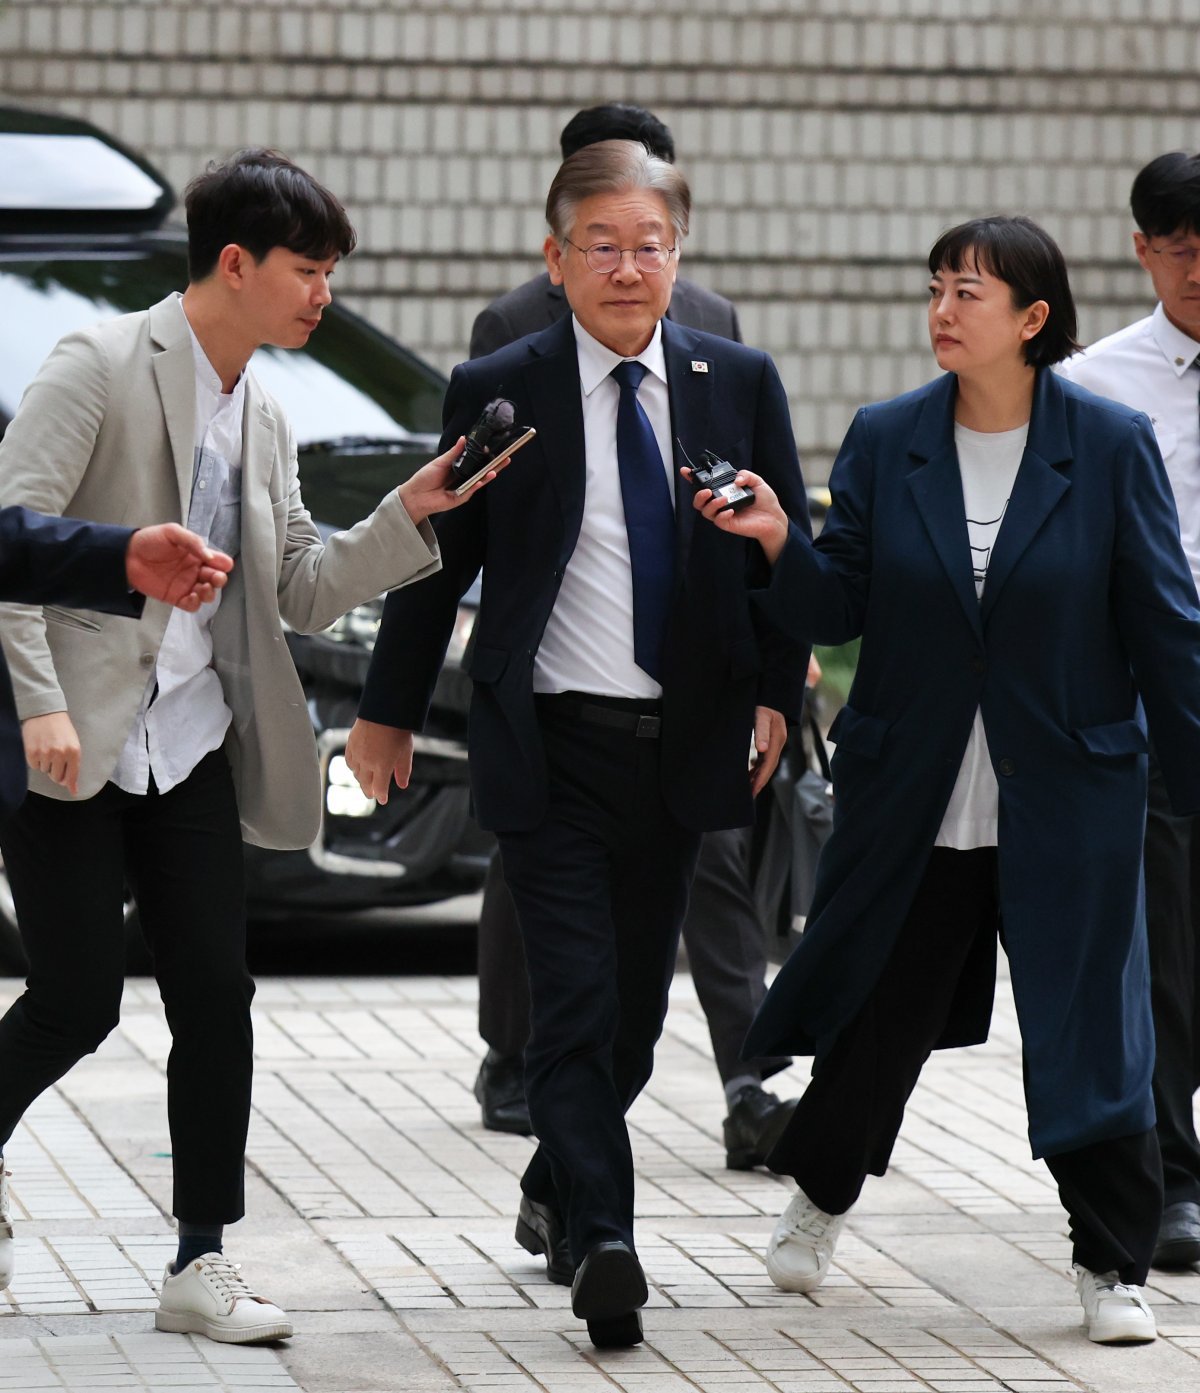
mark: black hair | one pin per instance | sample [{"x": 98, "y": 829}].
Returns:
[
  {"x": 617, "y": 121},
  {"x": 259, "y": 200},
  {"x": 1028, "y": 260},
  {"x": 1165, "y": 197}
]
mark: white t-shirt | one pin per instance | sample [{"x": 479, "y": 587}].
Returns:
[{"x": 987, "y": 464}]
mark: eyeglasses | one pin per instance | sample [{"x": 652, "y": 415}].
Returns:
[
  {"x": 1180, "y": 255},
  {"x": 604, "y": 258}
]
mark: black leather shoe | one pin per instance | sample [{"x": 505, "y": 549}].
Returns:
[
  {"x": 500, "y": 1089},
  {"x": 755, "y": 1123},
  {"x": 540, "y": 1230},
  {"x": 608, "y": 1289},
  {"x": 1178, "y": 1236}
]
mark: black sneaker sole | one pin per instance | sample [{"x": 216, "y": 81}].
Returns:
[{"x": 619, "y": 1333}]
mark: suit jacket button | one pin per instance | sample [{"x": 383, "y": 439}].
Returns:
[
  {"x": 978, "y": 665},
  {"x": 147, "y": 660},
  {"x": 1006, "y": 766}
]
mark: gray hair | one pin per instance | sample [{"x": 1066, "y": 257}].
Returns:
[{"x": 615, "y": 166}]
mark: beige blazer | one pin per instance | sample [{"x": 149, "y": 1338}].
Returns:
[{"x": 105, "y": 432}]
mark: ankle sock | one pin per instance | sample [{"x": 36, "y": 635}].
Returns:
[{"x": 195, "y": 1240}]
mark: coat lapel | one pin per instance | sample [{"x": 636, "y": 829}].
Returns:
[
  {"x": 1039, "y": 485},
  {"x": 936, "y": 488},
  {"x": 552, "y": 379},
  {"x": 690, "y": 394},
  {"x": 175, "y": 374}
]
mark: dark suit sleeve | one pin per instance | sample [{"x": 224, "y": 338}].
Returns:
[
  {"x": 785, "y": 658},
  {"x": 735, "y": 329},
  {"x": 53, "y": 560},
  {"x": 1157, "y": 612},
  {"x": 418, "y": 619},
  {"x": 818, "y": 591}
]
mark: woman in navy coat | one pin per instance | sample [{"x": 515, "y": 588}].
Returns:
[{"x": 1006, "y": 546}]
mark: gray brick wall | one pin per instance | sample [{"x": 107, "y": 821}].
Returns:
[{"x": 827, "y": 141}]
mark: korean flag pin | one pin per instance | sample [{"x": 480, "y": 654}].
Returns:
[{"x": 699, "y": 365}]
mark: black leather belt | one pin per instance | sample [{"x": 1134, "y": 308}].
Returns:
[{"x": 632, "y": 717}]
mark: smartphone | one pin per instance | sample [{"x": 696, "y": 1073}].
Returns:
[{"x": 496, "y": 461}]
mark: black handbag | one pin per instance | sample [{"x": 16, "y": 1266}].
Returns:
[{"x": 797, "y": 826}]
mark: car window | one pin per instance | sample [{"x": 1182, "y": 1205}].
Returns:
[{"x": 350, "y": 382}]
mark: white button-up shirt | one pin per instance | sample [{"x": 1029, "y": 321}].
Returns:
[
  {"x": 1149, "y": 366},
  {"x": 588, "y": 643},
  {"x": 183, "y": 715}
]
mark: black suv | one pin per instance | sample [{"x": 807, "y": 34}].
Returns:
[{"x": 84, "y": 237}]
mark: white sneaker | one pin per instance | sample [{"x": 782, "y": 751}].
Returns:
[
  {"x": 210, "y": 1297},
  {"x": 6, "y": 1231},
  {"x": 1114, "y": 1313},
  {"x": 802, "y": 1245}
]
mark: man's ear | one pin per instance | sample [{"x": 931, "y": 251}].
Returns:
[
  {"x": 553, "y": 254},
  {"x": 232, "y": 265},
  {"x": 1140, "y": 244}
]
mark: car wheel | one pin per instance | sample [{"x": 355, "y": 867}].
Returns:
[{"x": 12, "y": 954}]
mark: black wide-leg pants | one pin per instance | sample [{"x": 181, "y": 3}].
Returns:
[
  {"x": 846, "y": 1123},
  {"x": 1173, "y": 924},
  {"x": 600, "y": 888},
  {"x": 181, "y": 853}
]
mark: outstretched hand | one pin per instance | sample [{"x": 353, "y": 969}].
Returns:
[
  {"x": 431, "y": 488},
  {"x": 764, "y": 521},
  {"x": 169, "y": 563}
]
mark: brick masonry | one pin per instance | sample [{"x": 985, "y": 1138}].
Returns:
[{"x": 827, "y": 141}]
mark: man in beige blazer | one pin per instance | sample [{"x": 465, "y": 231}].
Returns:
[{"x": 155, "y": 747}]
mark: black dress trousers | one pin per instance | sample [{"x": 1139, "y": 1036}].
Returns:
[{"x": 600, "y": 888}]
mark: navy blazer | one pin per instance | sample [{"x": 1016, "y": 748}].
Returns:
[
  {"x": 53, "y": 560},
  {"x": 720, "y": 659},
  {"x": 1089, "y": 602}
]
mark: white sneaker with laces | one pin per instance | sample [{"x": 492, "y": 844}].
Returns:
[
  {"x": 210, "y": 1297},
  {"x": 802, "y": 1245},
  {"x": 1114, "y": 1313},
  {"x": 6, "y": 1231}
]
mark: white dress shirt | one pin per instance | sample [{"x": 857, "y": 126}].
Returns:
[
  {"x": 1150, "y": 367},
  {"x": 987, "y": 463},
  {"x": 183, "y": 715},
  {"x": 588, "y": 643}
]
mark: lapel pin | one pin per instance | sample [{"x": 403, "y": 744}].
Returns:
[{"x": 699, "y": 365}]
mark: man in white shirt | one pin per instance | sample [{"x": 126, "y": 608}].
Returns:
[
  {"x": 619, "y": 674},
  {"x": 1154, "y": 366},
  {"x": 156, "y": 747}
]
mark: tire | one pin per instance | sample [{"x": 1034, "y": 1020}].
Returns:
[{"x": 12, "y": 955}]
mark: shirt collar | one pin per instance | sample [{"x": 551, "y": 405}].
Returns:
[
  {"x": 206, "y": 374},
  {"x": 596, "y": 362},
  {"x": 1179, "y": 349}
]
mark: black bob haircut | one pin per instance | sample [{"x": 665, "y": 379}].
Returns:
[
  {"x": 259, "y": 200},
  {"x": 1165, "y": 197},
  {"x": 617, "y": 121},
  {"x": 1028, "y": 260}
]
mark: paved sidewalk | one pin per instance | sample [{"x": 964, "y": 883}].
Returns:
[{"x": 381, "y": 1217}]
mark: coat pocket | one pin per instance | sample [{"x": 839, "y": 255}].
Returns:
[
  {"x": 69, "y": 619},
  {"x": 861, "y": 735},
  {"x": 488, "y": 664},
  {"x": 1113, "y": 741}
]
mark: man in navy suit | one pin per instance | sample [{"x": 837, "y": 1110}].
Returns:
[
  {"x": 619, "y": 678},
  {"x": 87, "y": 565}
]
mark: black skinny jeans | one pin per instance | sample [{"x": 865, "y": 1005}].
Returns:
[{"x": 181, "y": 853}]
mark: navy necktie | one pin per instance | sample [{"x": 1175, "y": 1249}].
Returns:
[{"x": 649, "y": 520}]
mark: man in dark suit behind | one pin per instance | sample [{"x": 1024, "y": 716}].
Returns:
[
  {"x": 618, "y": 671},
  {"x": 724, "y": 937}
]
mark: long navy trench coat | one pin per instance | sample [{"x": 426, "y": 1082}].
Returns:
[{"x": 1088, "y": 603}]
